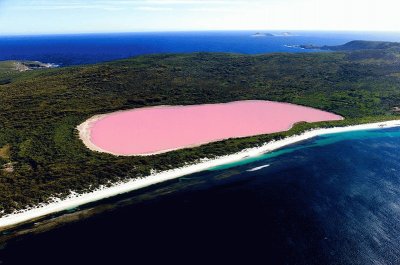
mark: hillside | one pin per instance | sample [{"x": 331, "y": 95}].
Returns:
[{"x": 41, "y": 155}]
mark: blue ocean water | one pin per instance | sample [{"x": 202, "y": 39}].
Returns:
[
  {"x": 68, "y": 50},
  {"x": 334, "y": 199}
]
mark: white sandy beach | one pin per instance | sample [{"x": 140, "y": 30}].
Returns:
[{"x": 75, "y": 200}]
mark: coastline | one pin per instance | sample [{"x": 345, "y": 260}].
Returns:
[{"x": 75, "y": 200}]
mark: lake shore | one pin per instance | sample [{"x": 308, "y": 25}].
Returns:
[
  {"x": 75, "y": 200},
  {"x": 160, "y": 129}
]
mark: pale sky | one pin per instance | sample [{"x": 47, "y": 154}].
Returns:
[{"x": 86, "y": 16}]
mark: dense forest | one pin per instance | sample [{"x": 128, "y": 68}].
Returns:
[{"x": 41, "y": 155}]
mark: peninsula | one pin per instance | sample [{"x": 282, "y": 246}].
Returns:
[{"x": 357, "y": 45}]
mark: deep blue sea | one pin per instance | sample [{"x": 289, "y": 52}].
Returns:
[
  {"x": 68, "y": 50},
  {"x": 334, "y": 199}
]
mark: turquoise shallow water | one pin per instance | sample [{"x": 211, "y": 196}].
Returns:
[
  {"x": 318, "y": 141},
  {"x": 334, "y": 199}
]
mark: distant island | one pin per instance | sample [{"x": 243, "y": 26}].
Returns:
[
  {"x": 286, "y": 34},
  {"x": 258, "y": 34},
  {"x": 283, "y": 34}
]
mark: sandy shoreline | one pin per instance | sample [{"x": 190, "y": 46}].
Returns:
[
  {"x": 84, "y": 133},
  {"x": 75, "y": 200}
]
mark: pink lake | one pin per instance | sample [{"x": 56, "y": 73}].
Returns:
[{"x": 152, "y": 130}]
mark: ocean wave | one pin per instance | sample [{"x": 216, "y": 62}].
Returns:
[{"x": 257, "y": 168}]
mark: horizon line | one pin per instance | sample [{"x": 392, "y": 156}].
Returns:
[{"x": 194, "y": 31}]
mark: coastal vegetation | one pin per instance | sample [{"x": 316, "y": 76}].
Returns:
[{"x": 42, "y": 157}]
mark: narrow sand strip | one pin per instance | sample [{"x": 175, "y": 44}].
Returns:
[{"x": 75, "y": 200}]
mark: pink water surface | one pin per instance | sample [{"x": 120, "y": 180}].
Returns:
[{"x": 158, "y": 129}]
